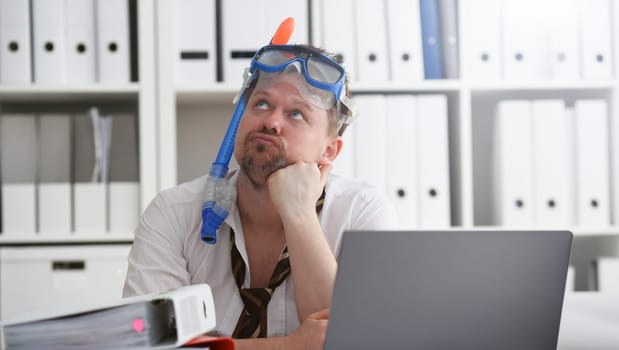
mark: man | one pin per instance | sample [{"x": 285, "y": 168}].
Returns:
[{"x": 273, "y": 267}]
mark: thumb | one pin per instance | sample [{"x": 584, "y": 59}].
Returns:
[{"x": 320, "y": 315}]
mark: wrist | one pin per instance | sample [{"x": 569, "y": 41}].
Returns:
[
  {"x": 278, "y": 343},
  {"x": 284, "y": 343},
  {"x": 299, "y": 216}
]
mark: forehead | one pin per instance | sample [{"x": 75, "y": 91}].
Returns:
[
  {"x": 287, "y": 81},
  {"x": 318, "y": 97},
  {"x": 285, "y": 89}
]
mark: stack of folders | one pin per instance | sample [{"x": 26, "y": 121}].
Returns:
[
  {"x": 162, "y": 321},
  {"x": 551, "y": 163},
  {"x": 400, "y": 145},
  {"x": 533, "y": 40},
  {"x": 377, "y": 40},
  {"x": 64, "y": 41},
  {"x": 197, "y": 38},
  {"x": 393, "y": 40},
  {"x": 80, "y": 174}
]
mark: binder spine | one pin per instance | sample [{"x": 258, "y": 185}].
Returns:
[{"x": 430, "y": 29}]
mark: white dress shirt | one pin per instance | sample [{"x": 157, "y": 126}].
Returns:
[{"x": 168, "y": 253}]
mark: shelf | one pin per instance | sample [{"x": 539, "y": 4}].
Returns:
[
  {"x": 15, "y": 239},
  {"x": 548, "y": 85},
  {"x": 399, "y": 87},
  {"x": 224, "y": 93},
  {"x": 577, "y": 231},
  {"x": 219, "y": 94},
  {"x": 70, "y": 93}
]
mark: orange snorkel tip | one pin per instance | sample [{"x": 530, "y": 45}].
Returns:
[{"x": 284, "y": 32}]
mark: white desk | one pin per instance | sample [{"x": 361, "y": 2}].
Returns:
[{"x": 590, "y": 320}]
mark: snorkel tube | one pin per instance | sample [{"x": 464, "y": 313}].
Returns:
[{"x": 220, "y": 194}]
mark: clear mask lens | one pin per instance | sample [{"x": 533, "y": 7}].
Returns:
[
  {"x": 275, "y": 58},
  {"x": 320, "y": 98},
  {"x": 320, "y": 71}
]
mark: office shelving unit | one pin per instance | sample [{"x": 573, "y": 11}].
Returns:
[
  {"x": 180, "y": 127},
  {"x": 45, "y": 270},
  {"x": 139, "y": 96}
]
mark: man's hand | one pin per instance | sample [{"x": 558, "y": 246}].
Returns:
[
  {"x": 311, "y": 334},
  {"x": 295, "y": 189}
]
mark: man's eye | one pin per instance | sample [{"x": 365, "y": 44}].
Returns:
[
  {"x": 262, "y": 105},
  {"x": 297, "y": 115}
]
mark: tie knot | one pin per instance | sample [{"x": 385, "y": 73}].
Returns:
[{"x": 256, "y": 299}]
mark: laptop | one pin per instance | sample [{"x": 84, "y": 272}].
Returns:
[{"x": 449, "y": 290}]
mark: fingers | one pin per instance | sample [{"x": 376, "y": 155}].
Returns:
[
  {"x": 324, "y": 171},
  {"x": 320, "y": 315}
]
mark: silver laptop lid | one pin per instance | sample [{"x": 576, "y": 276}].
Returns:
[{"x": 449, "y": 289}]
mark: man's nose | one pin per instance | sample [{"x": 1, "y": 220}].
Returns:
[{"x": 273, "y": 121}]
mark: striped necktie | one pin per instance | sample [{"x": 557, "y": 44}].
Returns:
[{"x": 253, "y": 319}]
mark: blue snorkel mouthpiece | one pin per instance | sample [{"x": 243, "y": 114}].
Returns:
[
  {"x": 220, "y": 196},
  {"x": 220, "y": 193}
]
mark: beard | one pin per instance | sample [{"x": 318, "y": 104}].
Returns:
[{"x": 259, "y": 161}]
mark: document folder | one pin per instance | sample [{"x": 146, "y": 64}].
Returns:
[
  {"x": 155, "y": 321},
  {"x": 113, "y": 41},
  {"x": 18, "y": 164},
  {"x": 593, "y": 169},
  {"x": 370, "y": 143},
  {"x": 49, "y": 41},
  {"x": 553, "y": 164},
  {"x": 54, "y": 201},
  {"x": 431, "y": 36},
  {"x": 513, "y": 173},
  {"x": 195, "y": 42},
  {"x": 371, "y": 30},
  {"x": 564, "y": 41},
  {"x": 433, "y": 161},
  {"x": 402, "y": 158},
  {"x": 80, "y": 37},
  {"x": 482, "y": 58},
  {"x": 404, "y": 36},
  {"x": 595, "y": 30},
  {"x": 15, "y": 51}
]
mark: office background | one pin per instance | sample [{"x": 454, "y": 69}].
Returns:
[{"x": 473, "y": 114}]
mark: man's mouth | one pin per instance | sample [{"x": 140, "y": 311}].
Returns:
[{"x": 264, "y": 139}]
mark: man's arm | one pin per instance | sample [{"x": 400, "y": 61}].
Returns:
[
  {"x": 294, "y": 191},
  {"x": 310, "y": 335},
  {"x": 156, "y": 261}
]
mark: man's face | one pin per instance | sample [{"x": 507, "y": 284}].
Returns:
[{"x": 279, "y": 128}]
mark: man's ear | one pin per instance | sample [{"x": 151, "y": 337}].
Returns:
[{"x": 332, "y": 150}]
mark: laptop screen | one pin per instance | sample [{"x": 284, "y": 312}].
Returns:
[{"x": 449, "y": 289}]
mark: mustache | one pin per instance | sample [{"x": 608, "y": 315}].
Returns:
[{"x": 266, "y": 132}]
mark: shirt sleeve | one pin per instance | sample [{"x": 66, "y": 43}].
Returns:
[
  {"x": 373, "y": 211},
  {"x": 156, "y": 261}
]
